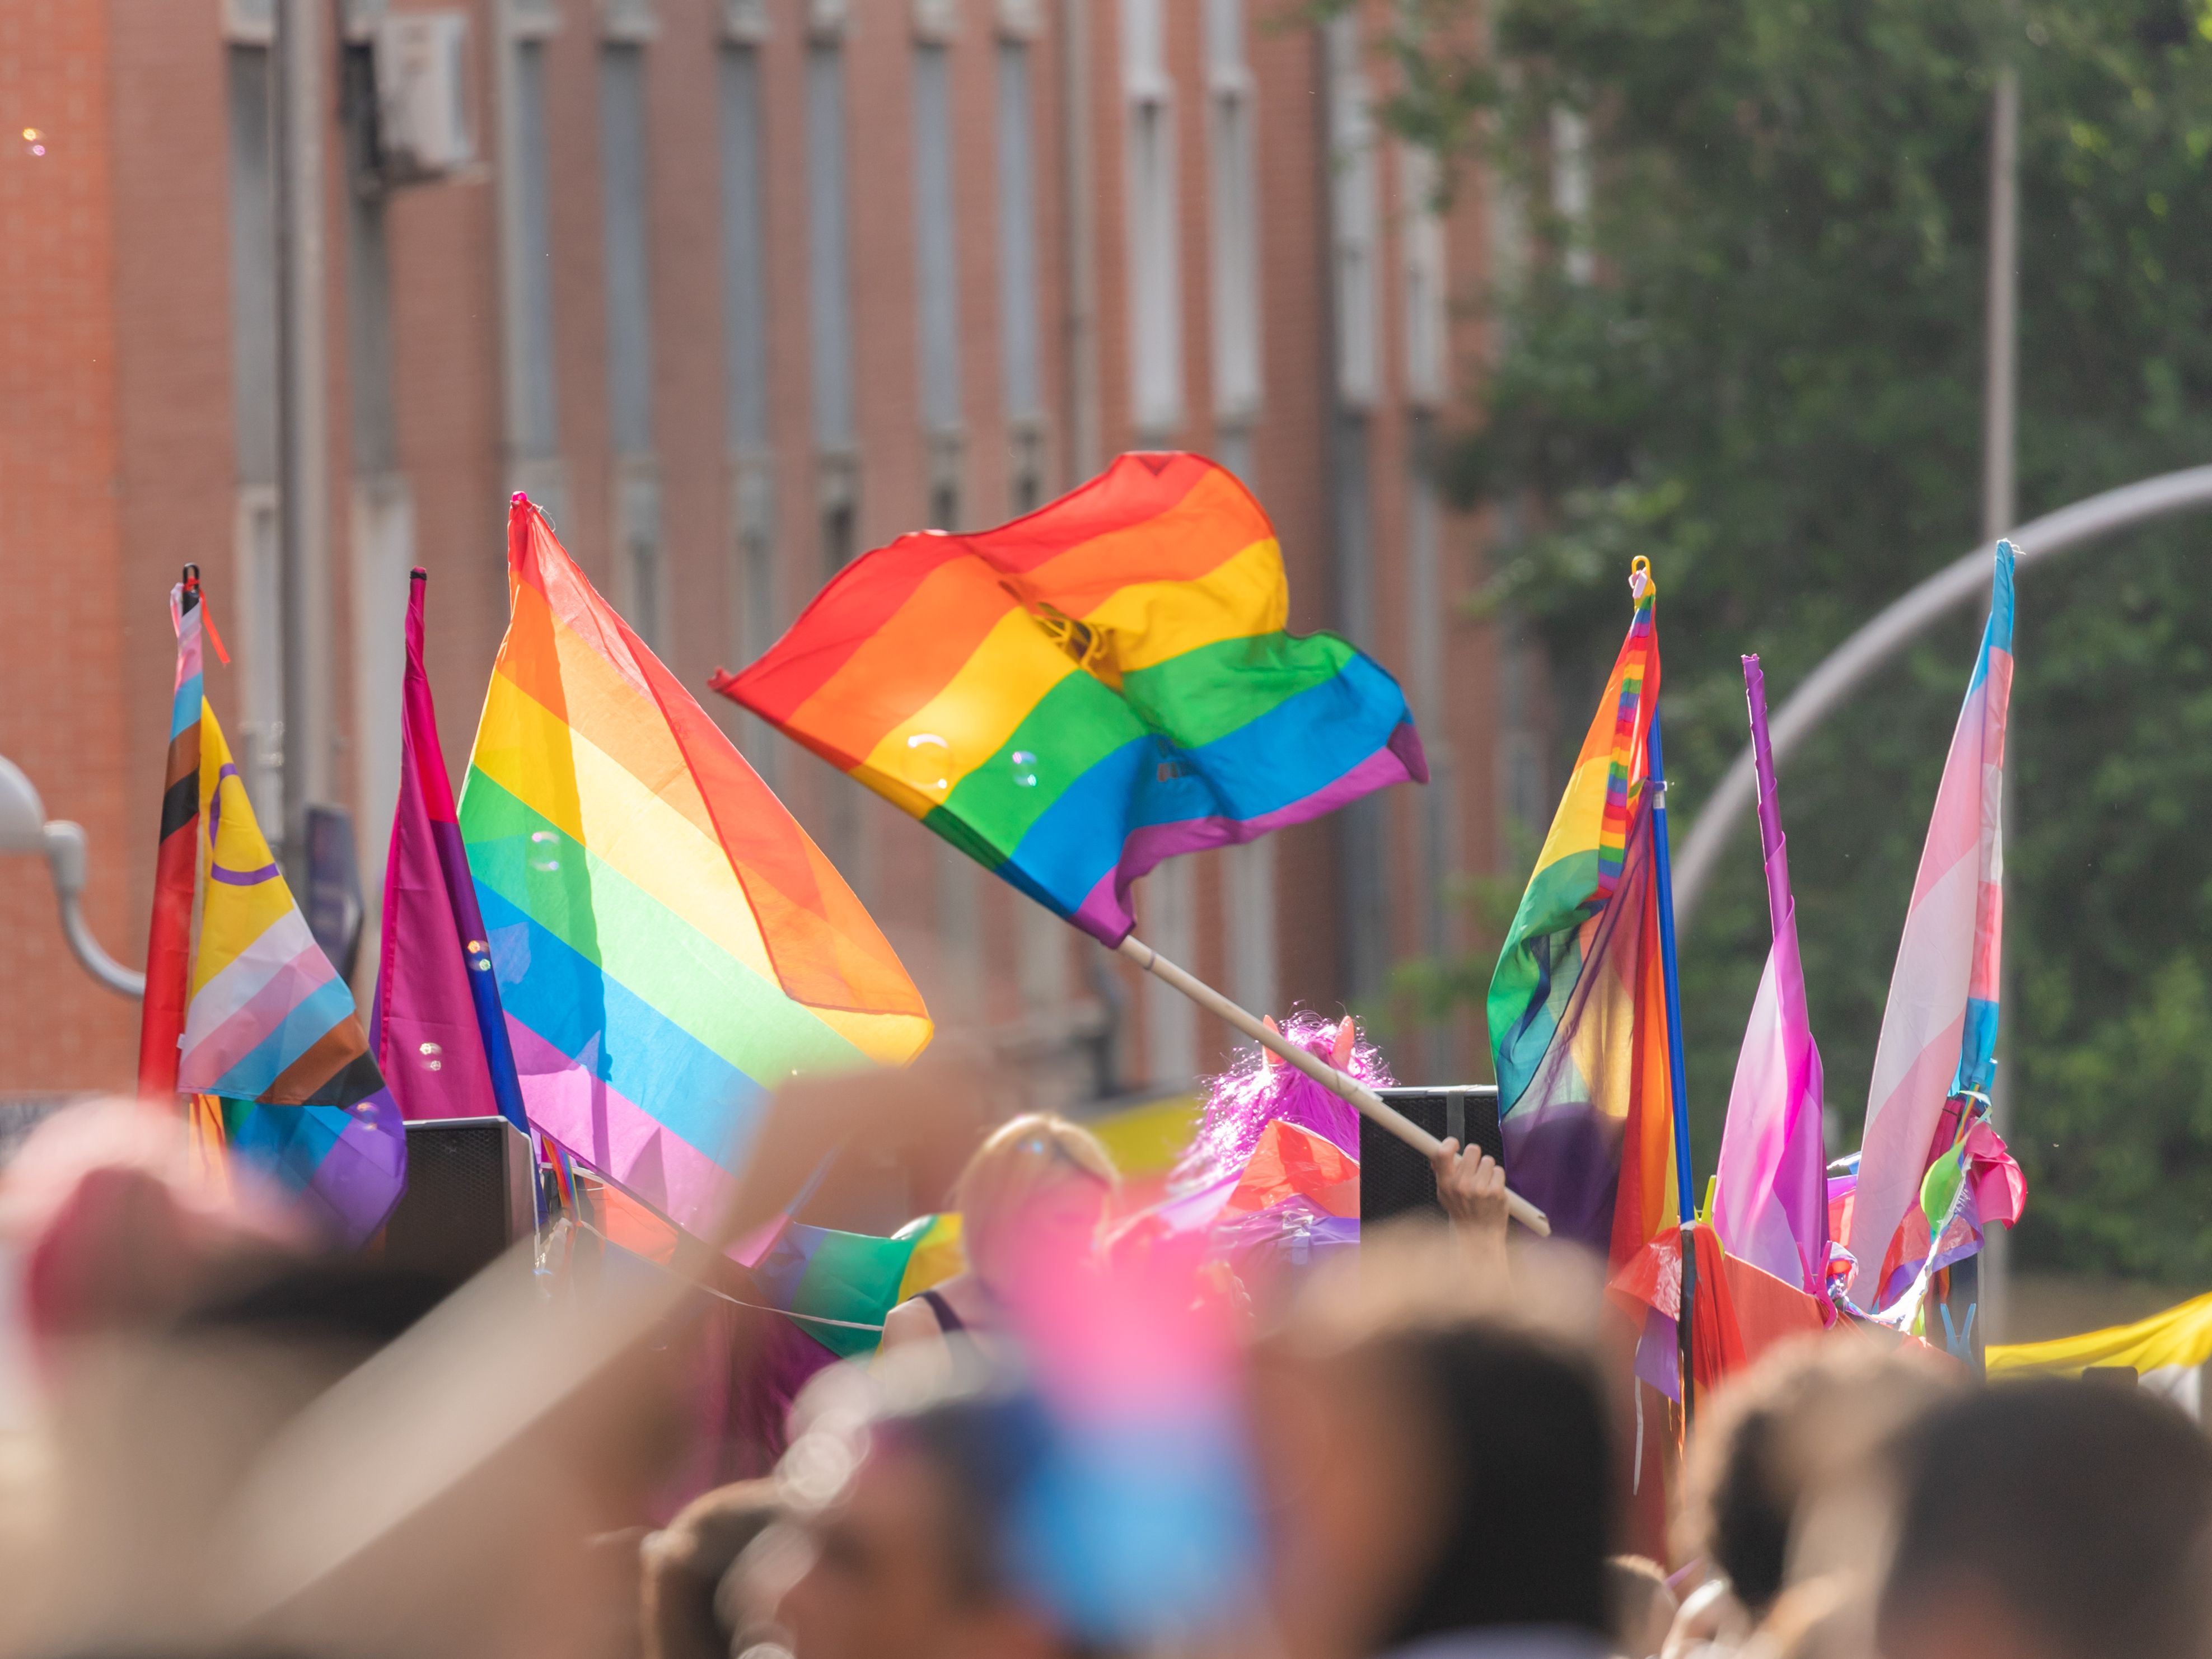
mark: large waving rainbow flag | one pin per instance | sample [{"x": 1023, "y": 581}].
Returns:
[
  {"x": 668, "y": 943},
  {"x": 1075, "y": 696},
  {"x": 1578, "y": 1004},
  {"x": 1939, "y": 1030}
]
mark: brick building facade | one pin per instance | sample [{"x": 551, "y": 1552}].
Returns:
[{"x": 737, "y": 289}]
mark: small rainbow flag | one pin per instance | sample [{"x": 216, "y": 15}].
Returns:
[
  {"x": 1578, "y": 1004},
  {"x": 669, "y": 945},
  {"x": 1072, "y": 697},
  {"x": 1580, "y": 863}
]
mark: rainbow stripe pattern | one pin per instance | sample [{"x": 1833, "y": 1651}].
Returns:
[
  {"x": 841, "y": 1286},
  {"x": 1578, "y": 1003},
  {"x": 669, "y": 945},
  {"x": 1939, "y": 1030},
  {"x": 1580, "y": 866},
  {"x": 272, "y": 1046},
  {"x": 1074, "y": 697}
]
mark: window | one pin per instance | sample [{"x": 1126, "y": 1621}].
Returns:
[
  {"x": 1017, "y": 235},
  {"x": 936, "y": 234},
  {"x": 829, "y": 281},
  {"x": 1428, "y": 335},
  {"x": 1170, "y": 909},
  {"x": 535, "y": 414},
  {"x": 744, "y": 266},
  {"x": 383, "y": 548},
  {"x": 1354, "y": 231},
  {"x": 630, "y": 295},
  {"x": 256, "y": 604},
  {"x": 1233, "y": 202},
  {"x": 1154, "y": 276},
  {"x": 1249, "y": 886}
]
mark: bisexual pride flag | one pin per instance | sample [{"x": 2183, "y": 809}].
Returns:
[{"x": 1072, "y": 697}]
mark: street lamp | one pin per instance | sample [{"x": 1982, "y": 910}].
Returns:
[{"x": 24, "y": 828}]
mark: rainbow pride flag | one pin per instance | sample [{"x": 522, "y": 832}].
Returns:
[
  {"x": 840, "y": 1286},
  {"x": 1072, "y": 697},
  {"x": 1578, "y": 1004},
  {"x": 1939, "y": 1029},
  {"x": 669, "y": 945}
]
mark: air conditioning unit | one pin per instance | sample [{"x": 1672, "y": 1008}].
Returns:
[{"x": 423, "y": 128}]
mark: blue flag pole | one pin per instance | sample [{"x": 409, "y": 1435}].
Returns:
[{"x": 1678, "y": 1086}]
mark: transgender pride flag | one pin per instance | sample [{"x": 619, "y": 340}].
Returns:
[{"x": 1938, "y": 1033}]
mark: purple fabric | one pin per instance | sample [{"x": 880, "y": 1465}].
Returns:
[
  {"x": 1770, "y": 1199},
  {"x": 1105, "y": 914},
  {"x": 442, "y": 1043}
]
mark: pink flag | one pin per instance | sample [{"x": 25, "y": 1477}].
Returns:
[
  {"x": 440, "y": 1037},
  {"x": 1770, "y": 1199},
  {"x": 1939, "y": 1032}
]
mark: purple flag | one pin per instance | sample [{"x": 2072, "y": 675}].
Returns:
[
  {"x": 440, "y": 1037},
  {"x": 1770, "y": 1199}
]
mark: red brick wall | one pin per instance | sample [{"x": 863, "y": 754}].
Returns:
[{"x": 68, "y": 678}]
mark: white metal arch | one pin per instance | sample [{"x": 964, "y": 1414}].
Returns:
[{"x": 1839, "y": 675}]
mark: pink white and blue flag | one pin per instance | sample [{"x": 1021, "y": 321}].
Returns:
[
  {"x": 1939, "y": 1032},
  {"x": 1770, "y": 1196}
]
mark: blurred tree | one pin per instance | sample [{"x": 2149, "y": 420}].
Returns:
[{"x": 1755, "y": 355}]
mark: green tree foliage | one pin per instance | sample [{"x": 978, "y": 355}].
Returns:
[{"x": 1771, "y": 386}]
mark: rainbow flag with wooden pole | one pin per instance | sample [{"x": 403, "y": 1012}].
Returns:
[{"x": 669, "y": 945}]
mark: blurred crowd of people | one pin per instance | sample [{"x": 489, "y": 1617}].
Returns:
[{"x": 1090, "y": 1442}]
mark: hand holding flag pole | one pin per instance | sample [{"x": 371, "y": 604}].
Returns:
[{"x": 1363, "y": 1099}]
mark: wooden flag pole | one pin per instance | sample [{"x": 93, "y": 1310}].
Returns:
[{"x": 1363, "y": 1099}]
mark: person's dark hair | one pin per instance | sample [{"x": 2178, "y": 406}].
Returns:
[
  {"x": 1522, "y": 1434},
  {"x": 1773, "y": 1435},
  {"x": 2085, "y": 1509},
  {"x": 683, "y": 1567}
]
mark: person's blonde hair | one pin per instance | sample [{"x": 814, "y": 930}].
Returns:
[{"x": 1016, "y": 1160}]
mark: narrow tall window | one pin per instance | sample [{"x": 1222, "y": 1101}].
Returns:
[
  {"x": 744, "y": 264},
  {"x": 625, "y": 192},
  {"x": 1354, "y": 228},
  {"x": 830, "y": 289},
  {"x": 1019, "y": 350},
  {"x": 937, "y": 278},
  {"x": 257, "y": 602},
  {"x": 1427, "y": 337},
  {"x": 536, "y": 414},
  {"x": 1155, "y": 275},
  {"x": 1233, "y": 209},
  {"x": 745, "y": 368}
]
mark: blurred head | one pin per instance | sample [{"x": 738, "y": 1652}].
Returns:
[
  {"x": 2052, "y": 1519},
  {"x": 1437, "y": 1465},
  {"x": 1809, "y": 1416},
  {"x": 905, "y": 1503},
  {"x": 689, "y": 1614},
  {"x": 1643, "y": 1606},
  {"x": 1036, "y": 1190}
]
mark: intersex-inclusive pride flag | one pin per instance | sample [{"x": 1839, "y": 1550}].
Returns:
[
  {"x": 169, "y": 934},
  {"x": 1072, "y": 697},
  {"x": 269, "y": 1028},
  {"x": 669, "y": 945},
  {"x": 1577, "y": 1005},
  {"x": 1771, "y": 1195},
  {"x": 1939, "y": 1032}
]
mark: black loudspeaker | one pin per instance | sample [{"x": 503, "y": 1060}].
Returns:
[
  {"x": 468, "y": 1197},
  {"x": 1393, "y": 1178}
]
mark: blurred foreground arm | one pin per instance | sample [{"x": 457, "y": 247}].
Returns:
[{"x": 1471, "y": 1186}]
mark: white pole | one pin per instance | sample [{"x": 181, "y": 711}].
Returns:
[{"x": 1363, "y": 1099}]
